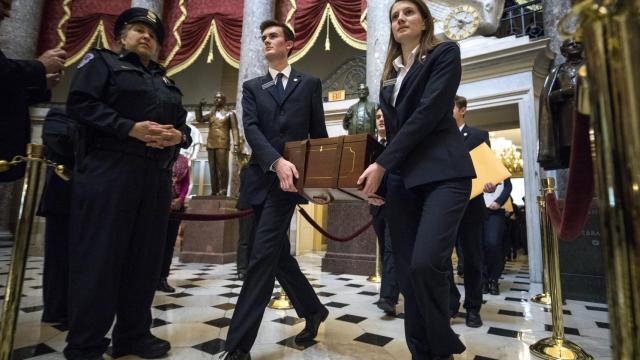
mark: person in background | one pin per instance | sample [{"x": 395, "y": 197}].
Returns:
[
  {"x": 428, "y": 173},
  {"x": 469, "y": 234},
  {"x": 389, "y": 290},
  {"x": 131, "y": 121},
  {"x": 58, "y": 138},
  {"x": 179, "y": 190},
  {"x": 493, "y": 237}
]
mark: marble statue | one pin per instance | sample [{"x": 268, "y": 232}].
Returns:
[{"x": 557, "y": 108}]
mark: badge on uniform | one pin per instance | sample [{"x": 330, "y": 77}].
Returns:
[
  {"x": 389, "y": 82},
  {"x": 87, "y": 57},
  {"x": 268, "y": 84}
]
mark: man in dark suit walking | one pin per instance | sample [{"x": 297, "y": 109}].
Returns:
[
  {"x": 470, "y": 231},
  {"x": 283, "y": 105}
]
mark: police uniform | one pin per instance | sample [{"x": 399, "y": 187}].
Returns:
[
  {"x": 121, "y": 196},
  {"x": 58, "y": 140}
]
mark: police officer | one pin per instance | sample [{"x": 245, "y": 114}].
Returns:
[
  {"x": 58, "y": 139},
  {"x": 132, "y": 121}
]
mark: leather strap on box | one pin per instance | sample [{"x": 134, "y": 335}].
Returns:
[{"x": 339, "y": 147}]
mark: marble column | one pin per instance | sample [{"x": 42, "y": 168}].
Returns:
[
  {"x": 377, "y": 43},
  {"x": 553, "y": 11},
  {"x": 154, "y": 5},
  {"x": 252, "y": 64},
  {"x": 18, "y": 40}
]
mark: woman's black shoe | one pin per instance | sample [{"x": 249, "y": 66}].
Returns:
[{"x": 164, "y": 286}]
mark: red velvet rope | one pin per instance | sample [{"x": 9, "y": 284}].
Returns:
[
  {"x": 210, "y": 217},
  {"x": 580, "y": 187},
  {"x": 315, "y": 225}
]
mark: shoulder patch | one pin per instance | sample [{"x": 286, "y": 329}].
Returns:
[{"x": 85, "y": 59}]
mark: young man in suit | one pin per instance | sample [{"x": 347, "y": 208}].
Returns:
[
  {"x": 470, "y": 231},
  {"x": 283, "y": 105}
]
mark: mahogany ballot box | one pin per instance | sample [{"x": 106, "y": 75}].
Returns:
[{"x": 329, "y": 168}]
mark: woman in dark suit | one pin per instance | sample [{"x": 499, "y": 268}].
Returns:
[{"x": 428, "y": 173}]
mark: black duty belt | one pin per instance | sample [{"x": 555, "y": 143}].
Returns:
[{"x": 164, "y": 157}]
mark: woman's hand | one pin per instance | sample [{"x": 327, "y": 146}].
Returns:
[
  {"x": 167, "y": 136},
  {"x": 177, "y": 204},
  {"x": 371, "y": 179}
]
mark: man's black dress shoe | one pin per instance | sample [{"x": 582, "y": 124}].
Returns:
[
  {"x": 149, "y": 347},
  {"x": 473, "y": 319},
  {"x": 310, "y": 330},
  {"x": 494, "y": 289},
  {"x": 387, "y": 306},
  {"x": 164, "y": 286},
  {"x": 238, "y": 354}
]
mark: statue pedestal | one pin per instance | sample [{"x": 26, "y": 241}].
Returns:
[
  {"x": 358, "y": 256},
  {"x": 211, "y": 242}
]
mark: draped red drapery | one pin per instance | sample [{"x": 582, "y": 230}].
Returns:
[
  {"x": 74, "y": 25},
  {"x": 308, "y": 18},
  {"x": 193, "y": 26},
  {"x": 189, "y": 24}
]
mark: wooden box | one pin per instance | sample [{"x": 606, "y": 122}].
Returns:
[{"x": 329, "y": 168}]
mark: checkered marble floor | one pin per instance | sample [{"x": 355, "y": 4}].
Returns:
[{"x": 196, "y": 318}]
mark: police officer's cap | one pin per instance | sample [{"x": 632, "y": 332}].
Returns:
[{"x": 140, "y": 15}]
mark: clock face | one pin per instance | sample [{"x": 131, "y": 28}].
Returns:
[{"x": 461, "y": 22}]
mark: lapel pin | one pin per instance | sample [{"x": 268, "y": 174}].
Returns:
[
  {"x": 423, "y": 57},
  {"x": 295, "y": 79},
  {"x": 465, "y": 134}
]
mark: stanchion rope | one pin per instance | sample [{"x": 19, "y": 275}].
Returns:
[
  {"x": 568, "y": 223},
  {"x": 322, "y": 231}
]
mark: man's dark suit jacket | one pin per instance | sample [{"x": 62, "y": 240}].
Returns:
[
  {"x": 476, "y": 210},
  {"x": 269, "y": 123},
  {"x": 22, "y": 83},
  {"x": 425, "y": 146}
]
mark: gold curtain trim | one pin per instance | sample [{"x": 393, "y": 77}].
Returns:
[
  {"x": 305, "y": 49},
  {"x": 363, "y": 19},
  {"x": 227, "y": 57},
  {"x": 65, "y": 18},
  {"x": 353, "y": 42},
  {"x": 99, "y": 31},
  {"x": 176, "y": 34},
  {"x": 213, "y": 31},
  {"x": 292, "y": 11}
]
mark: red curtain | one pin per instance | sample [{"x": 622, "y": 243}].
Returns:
[
  {"x": 78, "y": 22},
  {"x": 308, "y": 17},
  {"x": 193, "y": 23}
]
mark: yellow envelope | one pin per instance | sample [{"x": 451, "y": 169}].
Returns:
[{"x": 488, "y": 169}]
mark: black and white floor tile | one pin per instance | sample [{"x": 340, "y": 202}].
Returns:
[{"x": 196, "y": 318}]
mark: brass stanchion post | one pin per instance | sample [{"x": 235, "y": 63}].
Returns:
[
  {"x": 544, "y": 298},
  {"x": 13, "y": 292},
  {"x": 281, "y": 302},
  {"x": 556, "y": 347},
  {"x": 375, "y": 277},
  {"x": 609, "y": 30}
]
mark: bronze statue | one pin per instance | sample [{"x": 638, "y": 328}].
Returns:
[
  {"x": 557, "y": 108},
  {"x": 361, "y": 116},
  {"x": 221, "y": 122}
]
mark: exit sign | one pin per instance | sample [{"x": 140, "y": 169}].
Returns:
[{"x": 336, "y": 95}]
